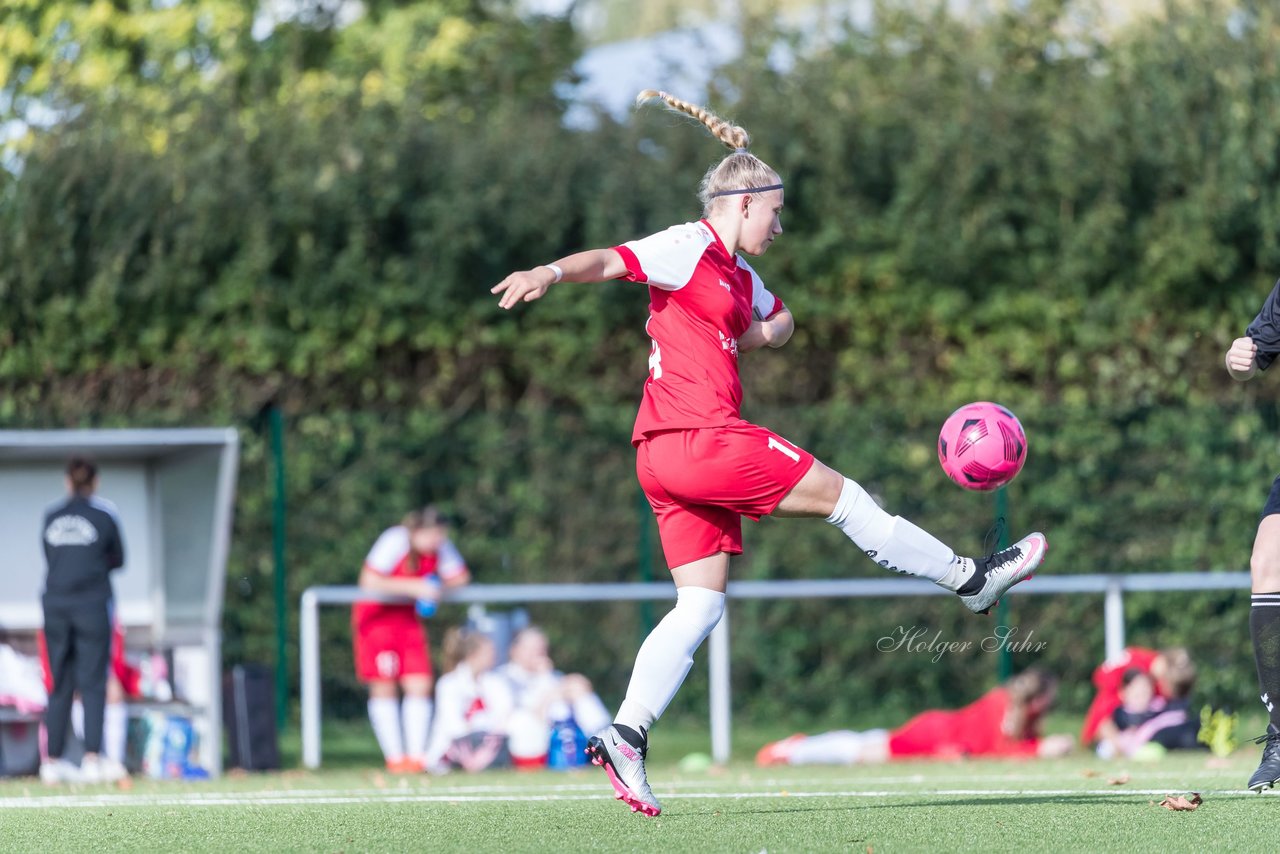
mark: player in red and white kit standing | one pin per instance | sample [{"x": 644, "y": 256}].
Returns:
[
  {"x": 415, "y": 558},
  {"x": 701, "y": 465}
]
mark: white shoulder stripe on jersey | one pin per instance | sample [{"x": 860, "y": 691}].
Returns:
[
  {"x": 389, "y": 550},
  {"x": 762, "y": 302},
  {"x": 669, "y": 257},
  {"x": 449, "y": 561}
]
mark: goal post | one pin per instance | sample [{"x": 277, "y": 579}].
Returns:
[{"x": 1112, "y": 587}]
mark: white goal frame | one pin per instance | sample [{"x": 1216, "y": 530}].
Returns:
[{"x": 1112, "y": 587}]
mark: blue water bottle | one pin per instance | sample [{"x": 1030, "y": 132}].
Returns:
[
  {"x": 568, "y": 745},
  {"x": 427, "y": 607}
]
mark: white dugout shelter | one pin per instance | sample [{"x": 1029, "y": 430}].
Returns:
[{"x": 174, "y": 489}]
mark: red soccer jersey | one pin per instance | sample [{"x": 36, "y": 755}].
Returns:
[
  {"x": 390, "y": 556},
  {"x": 701, "y": 301},
  {"x": 975, "y": 730}
]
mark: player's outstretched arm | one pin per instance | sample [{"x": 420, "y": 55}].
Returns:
[
  {"x": 593, "y": 265},
  {"x": 1242, "y": 358},
  {"x": 773, "y": 332}
]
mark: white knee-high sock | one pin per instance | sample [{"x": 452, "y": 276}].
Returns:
[
  {"x": 840, "y": 747},
  {"x": 415, "y": 713},
  {"x": 384, "y": 714},
  {"x": 77, "y": 718},
  {"x": 115, "y": 730},
  {"x": 895, "y": 543},
  {"x": 666, "y": 655}
]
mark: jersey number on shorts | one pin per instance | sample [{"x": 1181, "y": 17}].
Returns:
[
  {"x": 655, "y": 361},
  {"x": 778, "y": 446}
]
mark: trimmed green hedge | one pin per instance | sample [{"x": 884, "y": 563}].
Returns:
[{"x": 1002, "y": 208}]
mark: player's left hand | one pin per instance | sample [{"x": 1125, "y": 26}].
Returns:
[{"x": 523, "y": 286}]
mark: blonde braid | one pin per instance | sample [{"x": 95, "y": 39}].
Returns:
[
  {"x": 740, "y": 169},
  {"x": 730, "y": 134}
]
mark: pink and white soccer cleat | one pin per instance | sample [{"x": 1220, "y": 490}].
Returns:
[
  {"x": 625, "y": 766},
  {"x": 1004, "y": 569}
]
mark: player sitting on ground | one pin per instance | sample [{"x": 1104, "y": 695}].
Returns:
[
  {"x": 473, "y": 707},
  {"x": 1147, "y": 723},
  {"x": 1171, "y": 669}
]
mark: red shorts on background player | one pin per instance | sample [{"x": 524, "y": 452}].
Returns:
[{"x": 413, "y": 559}]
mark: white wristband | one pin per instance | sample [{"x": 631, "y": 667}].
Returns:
[{"x": 555, "y": 268}]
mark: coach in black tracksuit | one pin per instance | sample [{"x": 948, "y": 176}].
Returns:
[{"x": 83, "y": 543}]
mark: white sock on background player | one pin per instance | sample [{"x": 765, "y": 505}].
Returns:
[
  {"x": 895, "y": 543},
  {"x": 115, "y": 730},
  {"x": 415, "y": 714},
  {"x": 77, "y": 718},
  {"x": 384, "y": 714},
  {"x": 666, "y": 655},
  {"x": 841, "y": 747}
]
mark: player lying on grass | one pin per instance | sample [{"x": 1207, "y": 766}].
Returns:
[{"x": 1004, "y": 722}]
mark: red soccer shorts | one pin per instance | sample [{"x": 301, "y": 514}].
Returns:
[
  {"x": 390, "y": 646},
  {"x": 701, "y": 482}
]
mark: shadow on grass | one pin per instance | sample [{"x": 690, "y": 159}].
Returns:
[{"x": 1031, "y": 799}]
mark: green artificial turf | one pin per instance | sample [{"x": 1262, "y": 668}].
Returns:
[{"x": 1073, "y": 804}]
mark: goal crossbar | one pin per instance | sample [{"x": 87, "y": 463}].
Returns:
[{"x": 1112, "y": 588}]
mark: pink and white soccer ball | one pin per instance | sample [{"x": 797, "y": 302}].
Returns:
[{"x": 982, "y": 446}]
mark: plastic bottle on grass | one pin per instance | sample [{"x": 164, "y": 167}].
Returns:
[{"x": 568, "y": 745}]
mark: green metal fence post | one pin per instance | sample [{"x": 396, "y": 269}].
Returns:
[{"x": 277, "y": 542}]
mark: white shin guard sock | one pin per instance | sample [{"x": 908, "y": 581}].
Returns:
[
  {"x": 415, "y": 714},
  {"x": 77, "y": 718},
  {"x": 115, "y": 730},
  {"x": 841, "y": 747},
  {"x": 894, "y": 542},
  {"x": 666, "y": 655},
  {"x": 384, "y": 714}
]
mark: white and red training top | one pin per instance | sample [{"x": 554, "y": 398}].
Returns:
[
  {"x": 390, "y": 556},
  {"x": 701, "y": 300}
]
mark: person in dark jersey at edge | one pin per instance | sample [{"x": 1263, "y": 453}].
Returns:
[
  {"x": 1247, "y": 355},
  {"x": 83, "y": 545}
]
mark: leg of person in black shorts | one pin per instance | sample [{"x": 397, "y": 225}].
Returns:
[{"x": 1264, "y": 627}]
